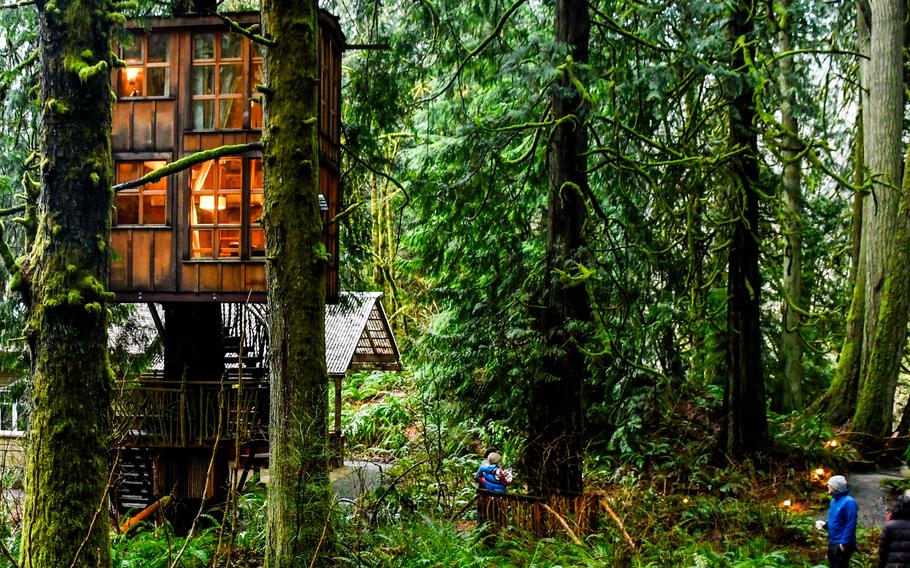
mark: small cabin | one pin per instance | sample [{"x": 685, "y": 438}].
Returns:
[{"x": 188, "y": 85}]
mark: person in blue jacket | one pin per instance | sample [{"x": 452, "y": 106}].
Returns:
[
  {"x": 490, "y": 476},
  {"x": 841, "y": 523}
]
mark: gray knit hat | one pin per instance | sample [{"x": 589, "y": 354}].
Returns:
[
  {"x": 494, "y": 458},
  {"x": 838, "y": 483}
]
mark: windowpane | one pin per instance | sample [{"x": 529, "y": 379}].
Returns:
[
  {"x": 131, "y": 80},
  {"x": 159, "y": 82},
  {"x": 230, "y": 173},
  {"x": 255, "y": 113},
  {"x": 257, "y": 243},
  {"x": 150, "y": 166},
  {"x": 153, "y": 209},
  {"x": 201, "y": 243},
  {"x": 204, "y": 46},
  {"x": 231, "y": 115},
  {"x": 127, "y": 171},
  {"x": 204, "y": 209},
  {"x": 255, "y": 207},
  {"x": 132, "y": 52},
  {"x": 256, "y": 174},
  {"x": 229, "y": 79},
  {"x": 202, "y": 177},
  {"x": 203, "y": 115},
  {"x": 203, "y": 79},
  {"x": 158, "y": 48},
  {"x": 127, "y": 205},
  {"x": 230, "y": 213},
  {"x": 230, "y": 46},
  {"x": 229, "y": 243}
]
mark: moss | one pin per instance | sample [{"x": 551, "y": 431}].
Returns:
[
  {"x": 96, "y": 179},
  {"x": 57, "y": 106},
  {"x": 89, "y": 71},
  {"x": 86, "y": 54}
]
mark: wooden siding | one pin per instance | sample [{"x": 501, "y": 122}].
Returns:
[{"x": 153, "y": 263}]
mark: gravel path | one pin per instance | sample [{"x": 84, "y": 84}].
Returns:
[{"x": 872, "y": 500}]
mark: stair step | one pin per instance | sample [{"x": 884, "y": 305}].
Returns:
[{"x": 248, "y": 360}]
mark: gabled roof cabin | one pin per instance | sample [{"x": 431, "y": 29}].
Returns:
[{"x": 190, "y": 85}]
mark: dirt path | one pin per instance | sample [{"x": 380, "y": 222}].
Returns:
[{"x": 873, "y": 501}]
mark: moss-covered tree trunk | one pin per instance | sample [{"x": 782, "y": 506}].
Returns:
[
  {"x": 299, "y": 496},
  {"x": 745, "y": 427},
  {"x": 791, "y": 188},
  {"x": 556, "y": 416},
  {"x": 839, "y": 402},
  {"x": 63, "y": 276}
]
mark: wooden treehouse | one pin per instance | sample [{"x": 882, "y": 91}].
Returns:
[{"x": 192, "y": 248}]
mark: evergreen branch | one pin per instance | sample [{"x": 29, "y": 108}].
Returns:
[
  {"x": 245, "y": 32},
  {"x": 476, "y": 51},
  {"x": 6, "y": 255},
  {"x": 188, "y": 162},
  {"x": 346, "y": 212},
  {"x": 12, "y": 210},
  {"x": 807, "y": 50}
]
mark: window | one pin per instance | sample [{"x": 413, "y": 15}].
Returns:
[
  {"x": 145, "y": 205},
  {"x": 217, "y": 212},
  {"x": 216, "y": 81},
  {"x": 255, "y": 96},
  {"x": 257, "y": 235},
  {"x": 147, "y": 72}
]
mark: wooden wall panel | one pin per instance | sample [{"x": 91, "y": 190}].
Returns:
[
  {"x": 164, "y": 278},
  {"x": 231, "y": 277},
  {"x": 211, "y": 140},
  {"x": 255, "y": 277},
  {"x": 120, "y": 135},
  {"x": 143, "y": 129},
  {"x": 140, "y": 260},
  {"x": 164, "y": 125},
  {"x": 119, "y": 245},
  {"x": 209, "y": 276}
]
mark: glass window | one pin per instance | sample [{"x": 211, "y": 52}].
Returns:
[
  {"x": 144, "y": 205},
  {"x": 217, "y": 221},
  {"x": 147, "y": 72},
  {"x": 217, "y": 80}
]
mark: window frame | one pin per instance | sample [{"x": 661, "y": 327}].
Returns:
[
  {"x": 141, "y": 192},
  {"x": 144, "y": 64},
  {"x": 242, "y": 96},
  {"x": 245, "y": 227}
]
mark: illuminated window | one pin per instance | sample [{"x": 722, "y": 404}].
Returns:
[
  {"x": 216, "y": 80},
  {"x": 216, "y": 214},
  {"x": 257, "y": 235},
  {"x": 256, "y": 79},
  {"x": 144, "y": 205},
  {"x": 147, "y": 72}
]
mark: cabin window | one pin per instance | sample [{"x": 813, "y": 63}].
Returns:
[
  {"x": 217, "y": 87},
  {"x": 256, "y": 79},
  {"x": 147, "y": 72},
  {"x": 226, "y": 212},
  {"x": 144, "y": 205}
]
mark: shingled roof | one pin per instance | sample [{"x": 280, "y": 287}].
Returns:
[{"x": 357, "y": 334}]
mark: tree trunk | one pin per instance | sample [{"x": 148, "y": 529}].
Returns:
[
  {"x": 745, "y": 429},
  {"x": 839, "y": 401},
  {"x": 64, "y": 276},
  {"x": 791, "y": 342},
  {"x": 299, "y": 497},
  {"x": 556, "y": 416},
  {"x": 882, "y": 223}
]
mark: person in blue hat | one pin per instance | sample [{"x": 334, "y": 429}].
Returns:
[{"x": 841, "y": 524}]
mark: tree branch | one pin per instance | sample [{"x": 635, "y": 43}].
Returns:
[{"x": 188, "y": 162}]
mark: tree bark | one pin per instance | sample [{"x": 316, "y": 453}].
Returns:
[
  {"x": 839, "y": 401},
  {"x": 791, "y": 343},
  {"x": 64, "y": 276},
  {"x": 556, "y": 415},
  {"x": 298, "y": 528},
  {"x": 745, "y": 429}
]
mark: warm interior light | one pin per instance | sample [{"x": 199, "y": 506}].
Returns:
[
  {"x": 132, "y": 73},
  {"x": 207, "y": 202}
]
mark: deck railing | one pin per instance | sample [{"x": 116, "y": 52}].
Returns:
[
  {"x": 153, "y": 412},
  {"x": 540, "y": 516}
]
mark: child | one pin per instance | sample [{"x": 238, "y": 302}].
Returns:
[{"x": 490, "y": 476}]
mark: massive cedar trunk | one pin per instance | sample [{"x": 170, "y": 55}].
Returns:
[
  {"x": 556, "y": 417},
  {"x": 791, "y": 342},
  {"x": 745, "y": 427},
  {"x": 299, "y": 497},
  {"x": 839, "y": 401},
  {"x": 885, "y": 318},
  {"x": 63, "y": 277}
]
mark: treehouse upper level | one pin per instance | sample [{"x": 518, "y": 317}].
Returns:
[{"x": 189, "y": 85}]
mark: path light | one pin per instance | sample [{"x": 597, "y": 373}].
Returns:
[
  {"x": 786, "y": 504},
  {"x": 831, "y": 444},
  {"x": 685, "y": 500}
]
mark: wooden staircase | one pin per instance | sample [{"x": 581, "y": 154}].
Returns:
[{"x": 133, "y": 484}]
